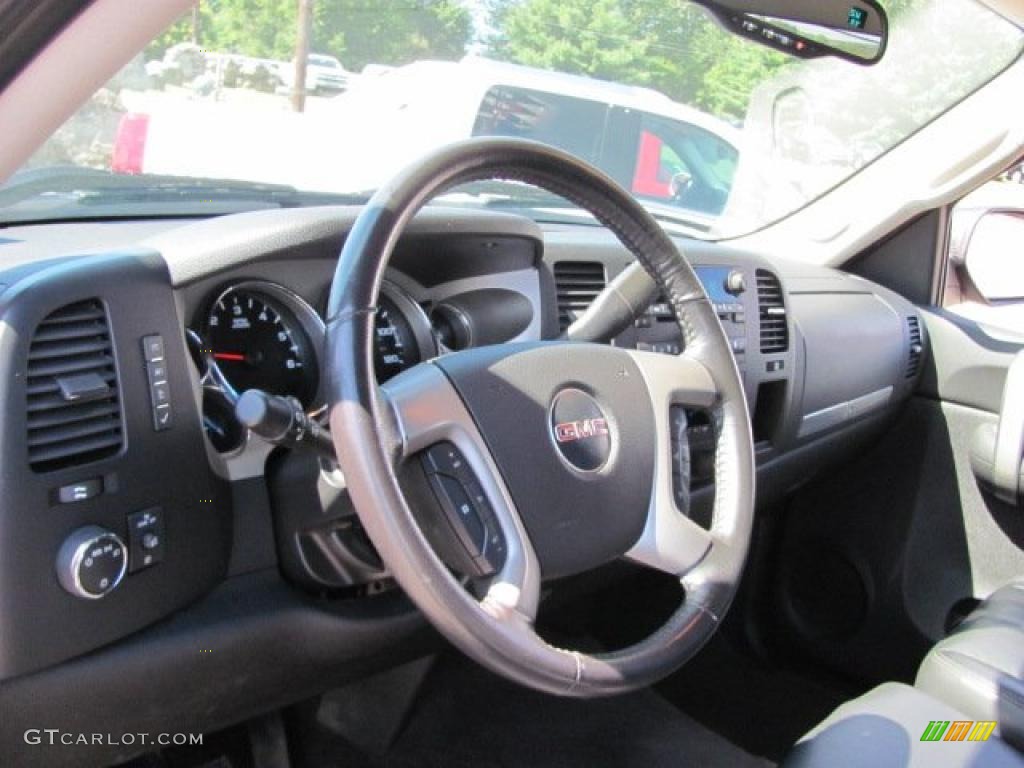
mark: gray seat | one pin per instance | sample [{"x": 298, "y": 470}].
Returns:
[
  {"x": 884, "y": 729},
  {"x": 979, "y": 668},
  {"x": 1003, "y": 608}
]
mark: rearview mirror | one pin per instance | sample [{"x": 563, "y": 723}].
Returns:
[{"x": 856, "y": 30}]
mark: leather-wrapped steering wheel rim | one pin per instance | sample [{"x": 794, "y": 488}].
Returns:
[{"x": 376, "y": 429}]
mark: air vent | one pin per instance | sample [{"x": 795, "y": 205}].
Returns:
[
  {"x": 916, "y": 347},
  {"x": 774, "y": 326},
  {"x": 74, "y": 415},
  {"x": 578, "y": 283}
]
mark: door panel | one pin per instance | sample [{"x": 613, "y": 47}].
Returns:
[{"x": 969, "y": 362}]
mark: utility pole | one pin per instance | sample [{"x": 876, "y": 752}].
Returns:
[
  {"x": 302, "y": 54},
  {"x": 197, "y": 38}
]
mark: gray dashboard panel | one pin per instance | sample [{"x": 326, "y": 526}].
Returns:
[
  {"x": 213, "y": 246},
  {"x": 853, "y": 351}
]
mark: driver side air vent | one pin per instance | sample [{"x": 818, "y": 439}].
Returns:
[
  {"x": 916, "y": 349},
  {"x": 578, "y": 283},
  {"x": 74, "y": 412},
  {"x": 772, "y": 311}
]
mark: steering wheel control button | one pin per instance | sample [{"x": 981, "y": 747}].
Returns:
[
  {"x": 91, "y": 562},
  {"x": 580, "y": 430},
  {"x": 468, "y": 513},
  {"x": 467, "y": 523},
  {"x": 145, "y": 539},
  {"x": 445, "y": 459},
  {"x": 493, "y": 550},
  {"x": 80, "y": 491}
]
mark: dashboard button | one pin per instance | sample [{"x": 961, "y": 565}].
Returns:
[
  {"x": 145, "y": 538},
  {"x": 156, "y": 373},
  {"x": 81, "y": 491},
  {"x": 153, "y": 348},
  {"x": 163, "y": 417},
  {"x": 156, "y": 377},
  {"x": 161, "y": 393}
]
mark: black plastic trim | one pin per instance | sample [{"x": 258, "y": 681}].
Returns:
[{"x": 252, "y": 645}]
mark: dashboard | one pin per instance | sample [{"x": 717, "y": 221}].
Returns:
[{"x": 123, "y": 343}]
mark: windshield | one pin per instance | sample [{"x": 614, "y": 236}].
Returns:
[{"x": 706, "y": 129}]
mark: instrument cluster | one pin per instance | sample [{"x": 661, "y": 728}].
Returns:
[{"x": 257, "y": 334}]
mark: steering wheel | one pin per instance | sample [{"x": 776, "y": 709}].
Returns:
[{"x": 568, "y": 441}]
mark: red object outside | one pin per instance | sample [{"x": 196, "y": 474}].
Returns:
[
  {"x": 229, "y": 356},
  {"x": 130, "y": 144},
  {"x": 647, "y": 177}
]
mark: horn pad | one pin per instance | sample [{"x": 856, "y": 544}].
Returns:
[{"x": 571, "y": 429}]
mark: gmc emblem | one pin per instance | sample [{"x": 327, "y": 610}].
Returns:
[{"x": 570, "y": 431}]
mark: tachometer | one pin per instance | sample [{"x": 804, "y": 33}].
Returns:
[{"x": 259, "y": 342}]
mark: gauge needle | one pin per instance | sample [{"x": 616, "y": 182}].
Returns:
[{"x": 231, "y": 356}]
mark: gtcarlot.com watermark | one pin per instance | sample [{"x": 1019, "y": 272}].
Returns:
[{"x": 55, "y": 737}]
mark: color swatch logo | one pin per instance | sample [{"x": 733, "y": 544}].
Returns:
[{"x": 958, "y": 730}]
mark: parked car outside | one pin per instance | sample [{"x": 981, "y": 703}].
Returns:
[
  {"x": 324, "y": 74},
  {"x": 669, "y": 154}
]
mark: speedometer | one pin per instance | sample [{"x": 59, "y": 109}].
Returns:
[
  {"x": 395, "y": 345},
  {"x": 402, "y": 334},
  {"x": 256, "y": 337}
]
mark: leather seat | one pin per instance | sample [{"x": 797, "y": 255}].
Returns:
[
  {"x": 979, "y": 668},
  {"x": 975, "y": 674},
  {"x": 1003, "y": 608},
  {"x": 884, "y": 729}
]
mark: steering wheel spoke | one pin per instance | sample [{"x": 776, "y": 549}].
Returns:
[
  {"x": 428, "y": 411},
  {"x": 670, "y": 541}
]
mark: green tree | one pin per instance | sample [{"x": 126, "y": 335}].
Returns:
[
  {"x": 672, "y": 46},
  {"x": 358, "y": 32},
  {"x": 394, "y": 32},
  {"x": 591, "y": 37}
]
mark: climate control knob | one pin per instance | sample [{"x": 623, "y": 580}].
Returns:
[{"x": 91, "y": 562}]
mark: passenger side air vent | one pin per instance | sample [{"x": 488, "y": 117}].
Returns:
[
  {"x": 74, "y": 413},
  {"x": 772, "y": 311},
  {"x": 578, "y": 284},
  {"x": 916, "y": 349}
]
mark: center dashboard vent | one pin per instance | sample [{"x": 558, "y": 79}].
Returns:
[
  {"x": 916, "y": 349},
  {"x": 772, "y": 312},
  {"x": 578, "y": 283},
  {"x": 74, "y": 411}
]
